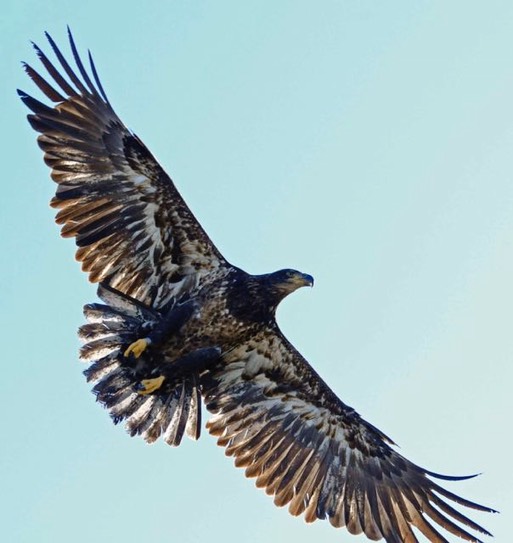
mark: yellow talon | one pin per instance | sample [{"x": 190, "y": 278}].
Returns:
[
  {"x": 150, "y": 385},
  {"x": 136, "y": 348}
]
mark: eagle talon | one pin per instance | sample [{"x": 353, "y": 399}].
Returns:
[
  {"x": 147, "y": 386},
  {"x": 136, "y": 348}
]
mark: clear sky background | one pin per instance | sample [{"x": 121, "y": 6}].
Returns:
[{"x": 368, "y": 143}]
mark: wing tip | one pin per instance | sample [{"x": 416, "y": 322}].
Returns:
[
  {"x": 49, "y": 38},
  {"x": 70, "y": 36},
  {"x": 450, "y": 477}
]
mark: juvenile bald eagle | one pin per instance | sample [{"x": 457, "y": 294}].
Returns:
[{"x": 179, "y": 324}]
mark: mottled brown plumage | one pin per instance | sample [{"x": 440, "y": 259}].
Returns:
[{"x": 271, "y": 410}]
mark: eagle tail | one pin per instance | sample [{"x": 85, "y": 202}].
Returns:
[{"x": 171, "y": 411}]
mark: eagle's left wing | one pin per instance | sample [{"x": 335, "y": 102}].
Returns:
[{"x": 282, "y": 423}]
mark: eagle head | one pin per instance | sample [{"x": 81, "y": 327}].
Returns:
[{"x": 283, "y": 282}]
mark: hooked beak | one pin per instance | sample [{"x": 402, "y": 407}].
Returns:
[
  {"x": 305, "y": 280},
  {"x": 309, "y": 280}
]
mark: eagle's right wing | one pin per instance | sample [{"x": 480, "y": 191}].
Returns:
[{"x": 131, "y": 225}]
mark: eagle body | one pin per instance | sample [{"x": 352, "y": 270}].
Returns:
[
  {"x": 232, "y": 309},
  {"x": 153, "y": 262}
]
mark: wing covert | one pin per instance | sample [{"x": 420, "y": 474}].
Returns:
[{"x": 132, "y": 227}]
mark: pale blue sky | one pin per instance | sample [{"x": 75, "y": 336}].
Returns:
[{"x": 368, "y": 143}]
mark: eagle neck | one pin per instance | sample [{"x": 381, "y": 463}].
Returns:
[{"x": 251, "y": 299}]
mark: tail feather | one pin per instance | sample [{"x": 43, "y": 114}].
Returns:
[
  {"x": 177, "y": 424},
  {"x": 101, "y": 330},
  {"x": 101, "y": 368},
  {"x": 171, "y": 411}
]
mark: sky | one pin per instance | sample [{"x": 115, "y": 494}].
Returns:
[{"x": 366, "y": 143}]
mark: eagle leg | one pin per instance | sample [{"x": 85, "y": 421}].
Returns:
[
  {"x": 170, "y": 323},
  {"x": 193, "y": 362}
]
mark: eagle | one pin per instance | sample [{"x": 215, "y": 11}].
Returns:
[{"x": 178, "y": 326}]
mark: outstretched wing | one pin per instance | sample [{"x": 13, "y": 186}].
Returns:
[
  {"x": 131, "y": 225},
  {"x": 282, "y": 423}
]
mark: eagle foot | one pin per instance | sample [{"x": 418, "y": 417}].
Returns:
[
  {"x": 137, "y": 348},
  {"x": 147, "y": 386}
]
